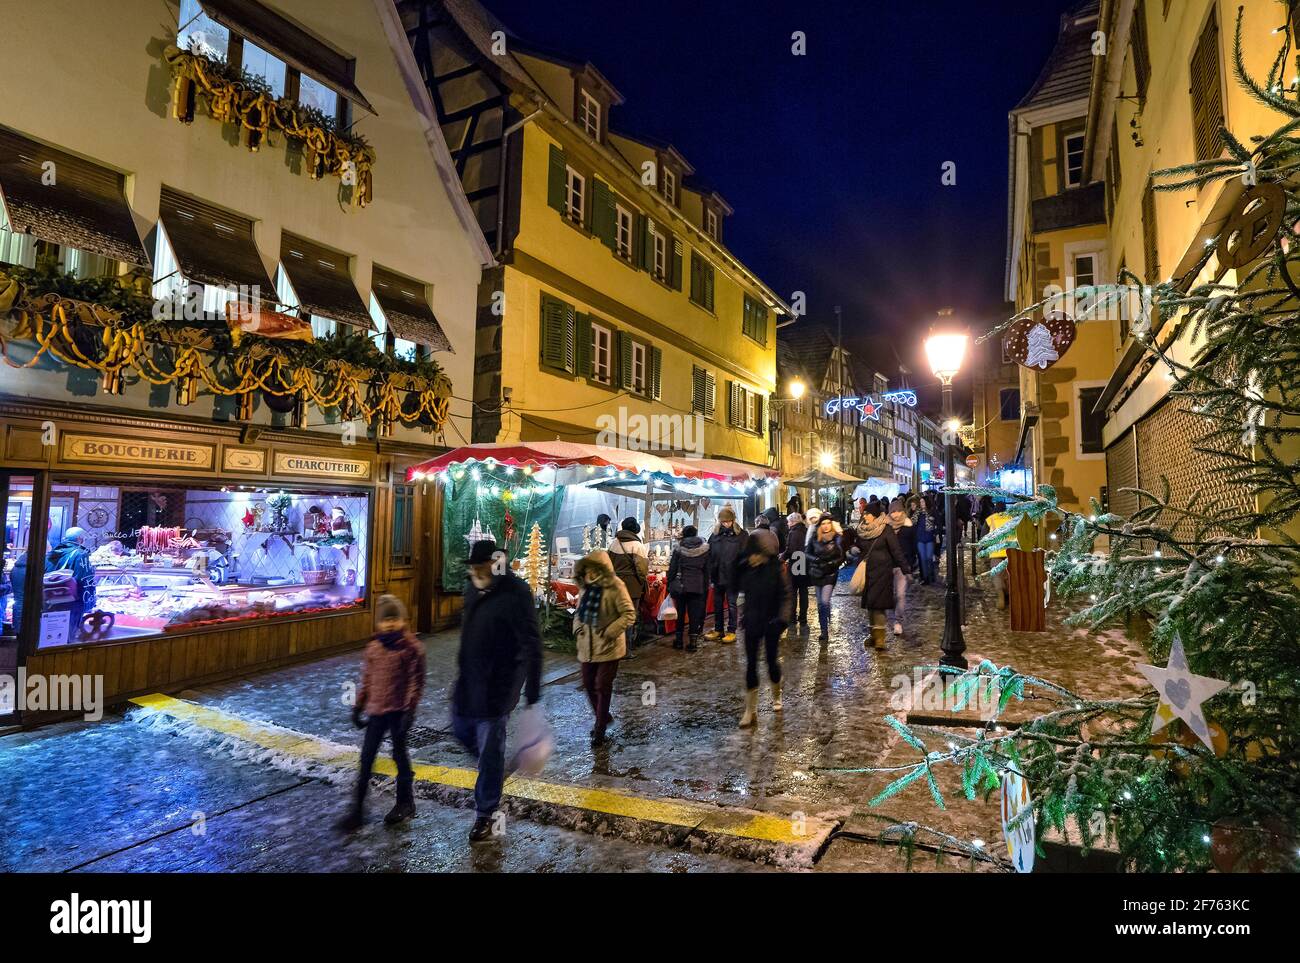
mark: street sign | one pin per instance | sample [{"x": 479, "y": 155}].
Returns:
[{"x": 972, "y": 461}]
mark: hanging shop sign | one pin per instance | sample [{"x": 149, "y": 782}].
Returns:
[
  {"x": 249, "y": 460},
  {"x": 868, "y": 407},
  {"x": 1040, "y": 344},
  {"x": 321, "y": 466},
  {"x": 136, "y": 452}
]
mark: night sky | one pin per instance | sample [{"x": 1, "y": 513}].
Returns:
[{"x": 832, "y": 160}]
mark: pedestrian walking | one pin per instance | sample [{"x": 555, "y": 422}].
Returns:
[
  {"x": 688, "y": 583},
  {"x": 724, "y": 549},
  {"x": 825, "y": 556},
  {"x": 998, "y": 556},
  {"x": 392, "y": 680},
  {"x": 769, "y": 601},
  {"x": 923, "y": 522},
  {"x": 797, "y": 562},
  {"x": 880, "y": 554},
  {"x": 905, "y": 532},
  {"x": 600, "y": 624},
  {"x": 631, "y": 561},
  {"x": 777, "y": 523},
  {"x": 500, "y": 651}
]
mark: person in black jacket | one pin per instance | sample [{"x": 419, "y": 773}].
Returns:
[
  {"x": 724, "y": 548},
  {"x": 881, "y": 554},
  {"x": 795, "y": 559},
  {"x": 688, "y": 582},
  {"x": 500, "y": 650},
  {"x": 769, "y": 603},
  {"x": 824, "y": 558}
]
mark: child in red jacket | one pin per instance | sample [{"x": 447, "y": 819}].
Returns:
[{"x": 392, "y": 679}]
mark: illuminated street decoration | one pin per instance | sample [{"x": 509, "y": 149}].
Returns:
[{"x": 867, "y": 406}]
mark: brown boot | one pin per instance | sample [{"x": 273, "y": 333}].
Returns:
[{"x": 878, "y": 636}]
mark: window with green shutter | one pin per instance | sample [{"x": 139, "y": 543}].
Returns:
[
  {"x": 710, "y": 395},
  {"x": 675, "y": 268},
  {"x": 704, "y": 390},
  {"x": 582, "y": 340},
  {"x": 656, "y": 369},
  {"x": 558, "y": 334},
  {"x": 701, "y": 281},
  {"x": 557, "y": 182},
  {"x": 604, "y": 222},
  {"x": 754, "y": 320},
  {"x": 1207, "y": 93},
  {"x": 625, "y": 360},
  {"x": 735, "y": 404},
  {"x": 1141, "y": 51}
]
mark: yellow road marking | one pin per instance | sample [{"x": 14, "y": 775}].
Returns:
[{"x": 743, "y": 824}]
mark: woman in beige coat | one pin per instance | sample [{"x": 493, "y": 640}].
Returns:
[{"x": 605, "y": 612}]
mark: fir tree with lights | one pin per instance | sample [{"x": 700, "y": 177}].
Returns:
[{"x": 1195, "y": 774}]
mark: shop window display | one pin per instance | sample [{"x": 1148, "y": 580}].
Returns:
[{"x": 132, "y": 559}]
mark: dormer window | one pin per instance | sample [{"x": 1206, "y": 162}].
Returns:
[
  {"x": 1074, "y": 145},
  {"x": 711, "y": 222},
  {"x": 670, "y": 185},
  {"x": 589, "y": 114}
]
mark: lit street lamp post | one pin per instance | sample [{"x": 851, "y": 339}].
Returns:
[{"x": 945, "y": 353}]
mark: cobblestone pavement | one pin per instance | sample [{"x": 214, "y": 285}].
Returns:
[{"x": 116, "y": 795}]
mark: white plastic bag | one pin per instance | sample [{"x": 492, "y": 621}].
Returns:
[
  {"x": 534, "y": 742},
  {"x": 667, "y": 610},
  {"x": 858, "y": 583}
]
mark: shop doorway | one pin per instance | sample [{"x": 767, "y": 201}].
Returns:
[{"x": 18, "y": 499}]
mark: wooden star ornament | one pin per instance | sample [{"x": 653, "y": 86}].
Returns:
[{"x": 1181, "y": 693}]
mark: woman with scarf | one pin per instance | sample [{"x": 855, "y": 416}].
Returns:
[
  {"x": 824, "y": 558},
  {"x": 881, "y": 554},
  {"x": 605, "y": 612}
]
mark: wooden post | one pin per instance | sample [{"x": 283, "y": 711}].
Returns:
[{"x": 1026, "y": 576}]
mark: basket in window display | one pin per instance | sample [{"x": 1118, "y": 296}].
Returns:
[{"x": 321, "y": 576}]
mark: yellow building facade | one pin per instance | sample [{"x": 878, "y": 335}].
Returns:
[
  {"x": 618, "y": 315},
  {"x": 1057, "y": 244},
  {"x": 1157, "y": 100}
]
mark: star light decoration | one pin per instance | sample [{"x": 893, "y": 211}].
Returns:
[
  {"x": 1181, "y": 693},
  {"x": 869, "y": 409}
]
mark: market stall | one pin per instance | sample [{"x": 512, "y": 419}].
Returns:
[
  {"x": 826, "y": 486},
  {"x": 547, "y": 504}
]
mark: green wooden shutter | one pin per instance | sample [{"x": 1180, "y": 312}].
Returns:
[
  {"x": 696, "y": 286},
  {"x": 602, "y": 213},
  {"x": 656, "y": 366},
  {"x": 708, "y": 285},
  {"x": 762, "y": 415},
  {"x": 625, "y": 359},
  {"x": 760, "y": 323},
  {"x": 553, "y": 334},
  {"x": 710, "y": 394},
  {"x": 735, "y": 416},
  {"x": 647, "y": 243},
  {"x": 697, "y": 389},
  {"x": 582, "y": 345},
  {"x": 557, "y": 180},
  {"x": 675, "y": 265}
]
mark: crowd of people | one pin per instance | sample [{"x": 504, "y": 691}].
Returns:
[{"x": 887, "y": 544}]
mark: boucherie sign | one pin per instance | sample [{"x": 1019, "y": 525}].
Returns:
[
  {"x": 100, "y": 449},
  {"x": 320, "y": 466}
]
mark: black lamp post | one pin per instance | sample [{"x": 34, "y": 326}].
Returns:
[{"x": 945, "y": 352}]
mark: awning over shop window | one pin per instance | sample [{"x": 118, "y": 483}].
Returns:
[
  {"x": 65, "y": 200},
  {"x": 321, "y": 280},
  {"x": 409, "y": 315},
  {"x": 292, "y": 44},
  {"x": 212, "y": 245}
]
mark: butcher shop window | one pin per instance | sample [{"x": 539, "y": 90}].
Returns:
[{"x": 130, "y": 559}]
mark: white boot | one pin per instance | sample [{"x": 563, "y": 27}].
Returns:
[
  {"x": 750, "y": 717},
  {"x": 898, "y": 628},
  {"x": 776, "y": 697}
]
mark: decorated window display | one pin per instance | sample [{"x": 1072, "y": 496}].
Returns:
[{"x": 130, "y": 559}]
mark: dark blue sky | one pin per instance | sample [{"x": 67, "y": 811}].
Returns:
[{"x": 832, "y": 160}]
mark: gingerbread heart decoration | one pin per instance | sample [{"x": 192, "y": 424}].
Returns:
[{"x": 1035, "y": 343}]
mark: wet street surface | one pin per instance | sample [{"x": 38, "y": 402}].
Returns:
[{"x": 134, "y": 793}]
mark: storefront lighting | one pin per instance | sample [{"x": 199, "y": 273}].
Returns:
[
  {"x": 475, "y": 474},
  {"x": 528, "y": 469}
]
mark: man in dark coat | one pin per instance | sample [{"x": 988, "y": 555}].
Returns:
[
  {"x": 688, "y": 582},
  {"x": 72, "y": 556},
  {"x": 500, "y": 650},
  {"x": 776, "y": 522},
  {"x": 724, "y": 549},
  {"x": 631, "y": 561},
  {"x": 881, "y": 554},
  {"x": 769, "y": 605},
  {"x": 794, "y": 543}
]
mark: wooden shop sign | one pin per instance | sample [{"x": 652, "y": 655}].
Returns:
[
  {"x": 251, "y": 460},
  {"x": 136, "y": 452},
  {"x": 321, "y": 466}
]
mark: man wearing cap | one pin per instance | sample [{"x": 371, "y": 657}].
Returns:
[
  {"x": 72, "y": 556},
  {"x": 500, "y": 650},
  {"x": 724, "y": 549},
  {"x": 631, "y": 561}
]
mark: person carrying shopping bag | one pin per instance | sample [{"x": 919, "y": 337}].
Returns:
[
  {"x": 605, "y": 611},
  {"x": 881, "y": 554}
]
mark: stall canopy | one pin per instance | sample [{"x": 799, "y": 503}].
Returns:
[
  {"x": 824, "y": 478},
  {"x": 566, "y": 455}
]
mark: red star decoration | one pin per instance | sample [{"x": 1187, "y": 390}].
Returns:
[{"x": 870, "y": 410}]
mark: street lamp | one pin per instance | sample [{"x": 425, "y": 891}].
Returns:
[
  {"x": 945, "y": 352},
  {"x": 827, "y": 459},
  {"x": 797, "y": 388}
]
